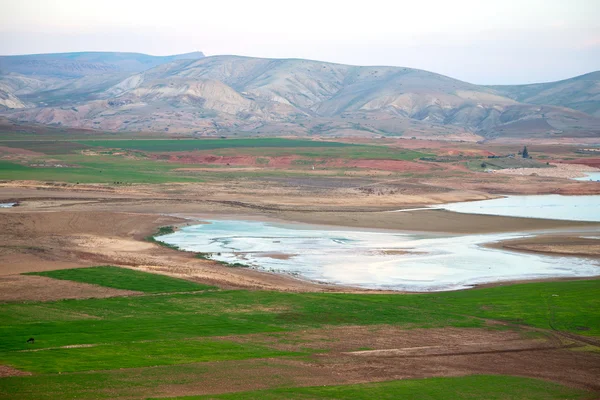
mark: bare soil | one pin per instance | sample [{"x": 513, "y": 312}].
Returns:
[
  {"x": 40, "y": 288},
  {"x": 6, "y": 371}
]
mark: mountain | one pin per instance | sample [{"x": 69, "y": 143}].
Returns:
[
  {"x": 580, "y": 93},
  {"x": 231, "y": 94},
  {"x": 69, "y": 78}
]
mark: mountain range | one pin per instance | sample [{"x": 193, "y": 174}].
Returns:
[{"x": 217, "y": 95}]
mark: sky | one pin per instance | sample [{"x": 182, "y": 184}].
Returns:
[{"x": 482, "y": 41}]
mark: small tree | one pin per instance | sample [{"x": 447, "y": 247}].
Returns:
[{"x": 525, "y": 152}]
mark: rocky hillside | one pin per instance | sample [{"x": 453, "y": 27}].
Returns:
[{"x": 230, "y": 94}]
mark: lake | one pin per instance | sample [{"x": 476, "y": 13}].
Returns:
[
  {"x": 373, "y": 259},
  {"x": 552, "y": 206}
]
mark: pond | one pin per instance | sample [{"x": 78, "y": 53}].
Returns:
[{"x": 373, "y": 259}]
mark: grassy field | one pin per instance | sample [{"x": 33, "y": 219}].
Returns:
[
  {"x": 121, "y": 278},
  {"x": 97, "y": 170},
  {"x": 79, "y": 342},
  {"x": 129, "y": 321},
  {"x": 468, "y": 387}
]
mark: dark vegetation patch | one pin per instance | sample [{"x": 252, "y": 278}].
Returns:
[{"x": 123, "y": 278}]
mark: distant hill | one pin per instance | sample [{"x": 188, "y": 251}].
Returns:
[
  {"x": 580, "y": 93},
  {"x": 68, "y": 65},
  {"x": 232, "y": 94}
]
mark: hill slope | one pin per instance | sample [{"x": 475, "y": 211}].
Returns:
[{"x": 220, "y": 94}]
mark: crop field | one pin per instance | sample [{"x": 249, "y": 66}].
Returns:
[
  {"x": 106, "y": 169},
  {"x": 79, "y": 343}
]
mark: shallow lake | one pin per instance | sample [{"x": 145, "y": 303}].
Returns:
[
  {"x": 552, "y": 206},
  {"x": 373, "y": 259},
  {"x": 7, "y": 205}
]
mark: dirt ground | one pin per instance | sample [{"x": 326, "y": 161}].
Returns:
[{"x": 40, "y": 288}]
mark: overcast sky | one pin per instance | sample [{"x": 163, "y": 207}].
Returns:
[{"x": 479, "y": 41}]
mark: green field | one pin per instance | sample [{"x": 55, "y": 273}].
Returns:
[
  {"x": 63, "y": 161},
  {"x": 97, "y": 170},
  {"x": 121, "y": 278},
  {"x": 468, "y": 387},
  {"x": 79, "y": 343},
  {"x": 133, "y": 320}
]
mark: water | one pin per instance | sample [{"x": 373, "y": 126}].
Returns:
[
  {"x": 590, "y": 176},
  {"x": 552, "y": 206},
  {"x": 7, "y": 205},
  {"x": 431, "y": 262}
]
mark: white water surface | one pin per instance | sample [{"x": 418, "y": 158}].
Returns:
[
  {"x": 590, "y": 176},
  {"x": 7, "y": 205},
  {"x": 373, "y": 259},
  {"x": 552, "y": 206}
]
